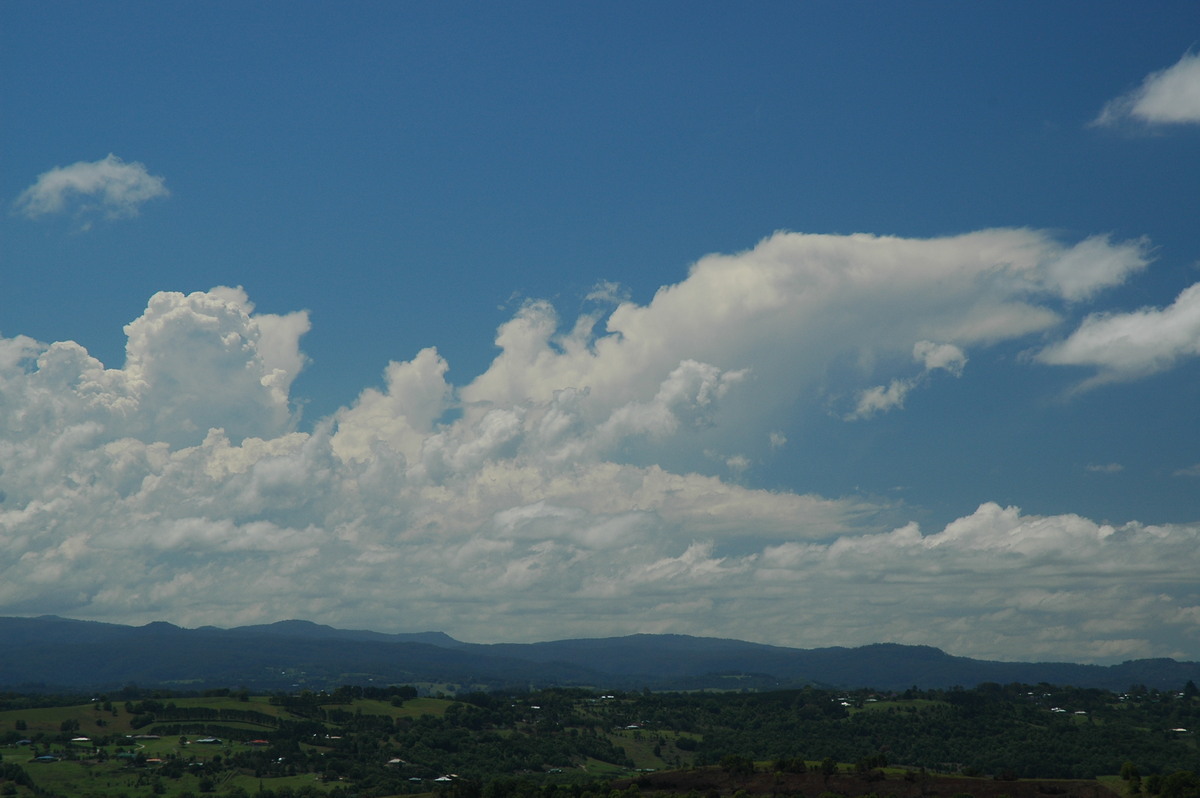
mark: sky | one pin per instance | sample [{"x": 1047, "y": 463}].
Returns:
[{"x": 811, "y": 324}]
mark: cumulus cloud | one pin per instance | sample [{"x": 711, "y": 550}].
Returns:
[
  {"x": 109, "y": 187},
  {"x": 192, "y": 363},
  {"x": 564, "y": 497},
  {"x": 934, "y": 357},
  {"x": 881, "y": 398},
  {"x": 796, "y": 306},
  {"x": 1129, "y": 346},
  {"x": 1170, "y": 96},
  {"x": 943, "y": 357},
  {"x": 1023, "y": 578}
]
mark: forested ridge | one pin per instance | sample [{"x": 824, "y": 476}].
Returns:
[
  {"x": 50, "y": 654},
  {"x": 563, "y": 743}
]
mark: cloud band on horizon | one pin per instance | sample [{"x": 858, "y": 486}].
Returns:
[{"x": 557, "y": 496}]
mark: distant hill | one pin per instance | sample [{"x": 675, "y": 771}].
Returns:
[{"x": 53, "y": 653}]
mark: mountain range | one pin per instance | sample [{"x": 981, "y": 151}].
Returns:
[{"x": 52, "y": 653}]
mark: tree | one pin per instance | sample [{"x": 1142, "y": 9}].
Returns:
[
  {"x": 1181, "y": 784},
  {"x": 790, "y": 765},
  {"x": 736, "y": 765}
]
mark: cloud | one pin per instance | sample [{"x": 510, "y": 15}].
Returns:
[
  {"x": 1129, "y": 346},
  {"x": 934, "y": 357},
  {"x": 608, "y": 292},
  {"x": 564, "y": 496},
  {"x": 1023, "y": 578},
  {"x": 192, "y": 363},
  {"x": 806, "y": 317},
  {"x": 1171, "y": 96},
  {"x": 1105, "y": 468},
  {"x": 1093, "y": 265},
  {"x": 1190, "y": 471},
  {"x": 109, "y": 187},
  {"x": 943, "y": 357},
  {"x": 881, "y": 398}
]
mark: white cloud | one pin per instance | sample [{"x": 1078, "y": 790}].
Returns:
[
  {"x": 177, "y": 486},
  {"x": 790, "y": 309},
  {"x": 608, "y": 292},
  {"x": 997, "y": 577},
  {"x": 738, "y": 463},
  {"x": 940, "y": 357},
  {"x": 402, "y": 416},
  {"x": 1171, "y": 96},
  {"x": 192, "y": 363},
  {"x": 933, "y": 357},
  {"x": 1105, "y": 468},
  {"x": 1093, "y": 265},
  {"x": 881, "y": 398},
  {"x": 1128, "y": 346},
  {"x": 110, "y": 187}
]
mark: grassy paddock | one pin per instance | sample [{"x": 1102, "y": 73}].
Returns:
[{"x": 88, "y": 777}]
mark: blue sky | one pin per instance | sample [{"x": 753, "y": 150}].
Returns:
[{"x": 814, "y": 324}]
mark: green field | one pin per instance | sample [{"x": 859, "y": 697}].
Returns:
[{"x": 119, "y": 760}]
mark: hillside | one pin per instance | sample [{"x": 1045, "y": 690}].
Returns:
[{"x": 54, "y": 653}]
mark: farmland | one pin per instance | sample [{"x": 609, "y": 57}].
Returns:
[{"x": 369, "y": 742}]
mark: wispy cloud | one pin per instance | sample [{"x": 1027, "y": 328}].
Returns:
[
  {"x": 109, "y": 187},
  {"x": 1105, "y": 468},
  {"x": 1171, "y": 96},
  {"x": 608, "y": 292}
]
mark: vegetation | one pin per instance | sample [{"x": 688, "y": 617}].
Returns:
[{"x": 987, "y": 742}]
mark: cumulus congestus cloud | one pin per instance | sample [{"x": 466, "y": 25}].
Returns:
[{"x": 558, "y": 499}]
